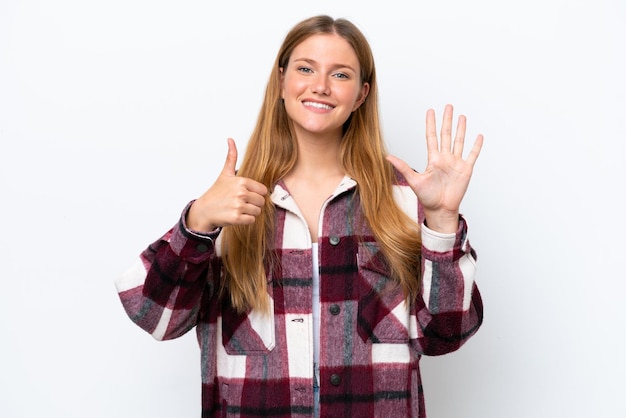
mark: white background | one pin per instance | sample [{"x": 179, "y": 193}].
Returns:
[{"x": 114, "y": 114}]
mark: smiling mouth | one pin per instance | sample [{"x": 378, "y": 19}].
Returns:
[{"x": 318, "y": 105}]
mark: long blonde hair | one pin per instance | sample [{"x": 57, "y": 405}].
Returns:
[{"x": 272, "y": 152}]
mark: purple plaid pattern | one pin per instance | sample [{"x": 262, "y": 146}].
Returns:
[{"x": 260, "y": 365}]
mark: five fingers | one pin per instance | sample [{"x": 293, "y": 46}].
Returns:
[{"x": 445, "y": 144}]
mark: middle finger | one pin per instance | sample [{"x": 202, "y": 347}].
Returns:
[{"x": 446, "y": 129}]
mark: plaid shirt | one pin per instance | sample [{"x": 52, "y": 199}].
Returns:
[{"x": 257, "y": 365}]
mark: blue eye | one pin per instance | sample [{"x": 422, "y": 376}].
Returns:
[{"x": 305, "y": 69}]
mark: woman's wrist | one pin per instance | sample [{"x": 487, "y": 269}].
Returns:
[{"x": 442, "y": 221}]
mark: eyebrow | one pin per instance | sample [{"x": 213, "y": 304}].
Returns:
[{"x": 312, "y": 61}]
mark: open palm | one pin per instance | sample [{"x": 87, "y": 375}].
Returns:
[{"x": 442, "y": 185}]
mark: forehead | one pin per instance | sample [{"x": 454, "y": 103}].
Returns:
[{"x": 325, "y": 48}]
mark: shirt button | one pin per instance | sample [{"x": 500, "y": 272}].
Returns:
[
  {"x": 334, "y": 309},
  {"x": 203, "y": 248},
  {"x": 334, "y": 240},
  {"x": 335, "y": 380}
]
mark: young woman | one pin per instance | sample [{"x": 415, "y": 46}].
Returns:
[{"x": 319, "y": 272}]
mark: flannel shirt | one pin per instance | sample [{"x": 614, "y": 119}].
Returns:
[{"x": 261, "y": 365}]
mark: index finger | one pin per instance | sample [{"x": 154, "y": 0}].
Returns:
[{"x": 255, "y": 187}]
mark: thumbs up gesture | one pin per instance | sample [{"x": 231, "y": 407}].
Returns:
[{"x": 231, "y": 200}]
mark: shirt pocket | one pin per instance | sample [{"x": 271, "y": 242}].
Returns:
[
  {"x": 250, "y": 333},
  {"x": 383, "y": 315}
]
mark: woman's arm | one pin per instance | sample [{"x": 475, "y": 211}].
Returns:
[
  {"x": 450, "y": 310},
  {"x": 162, "y": 290}
]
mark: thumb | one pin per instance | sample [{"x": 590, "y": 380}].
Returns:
[
  {"x": 231, "y": 158},
  {"x": 401, "y": 166}
]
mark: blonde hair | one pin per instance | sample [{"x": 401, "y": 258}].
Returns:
[{"x": 272, "y": 152}]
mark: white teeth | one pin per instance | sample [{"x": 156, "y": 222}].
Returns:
[{"x": 318, "y": 105}]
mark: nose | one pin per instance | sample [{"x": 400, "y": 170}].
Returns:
[{"x": 320, "y": 85}]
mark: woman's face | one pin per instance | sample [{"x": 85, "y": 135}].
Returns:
[{"x": 321, "y": 85}]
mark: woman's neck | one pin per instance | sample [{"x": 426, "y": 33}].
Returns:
[
  {"x": 318, "y": 158},
  {"x": 313, "y": 179}
]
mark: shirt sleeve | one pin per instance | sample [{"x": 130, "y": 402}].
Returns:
[
  {"x": 162, "y": 291},
  {"x": 450, "y": 310}
]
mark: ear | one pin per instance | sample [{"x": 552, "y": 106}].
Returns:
[{"x": 365, "y": 89}]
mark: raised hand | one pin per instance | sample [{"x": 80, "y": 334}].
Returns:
[
  {"x": 231, "y": 200},
  {"x": 441, "y": 187}
]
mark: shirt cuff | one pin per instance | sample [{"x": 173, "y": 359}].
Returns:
[
  {"x": 192, "y": 246},
  {"x": 437, "y": 243},
  {"x": 197, "y": 234}
]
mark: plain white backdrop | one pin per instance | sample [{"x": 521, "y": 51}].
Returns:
[{"x": 114, "y": 114}]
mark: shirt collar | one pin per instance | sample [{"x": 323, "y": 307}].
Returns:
[{"x": 281, "y": 196}]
